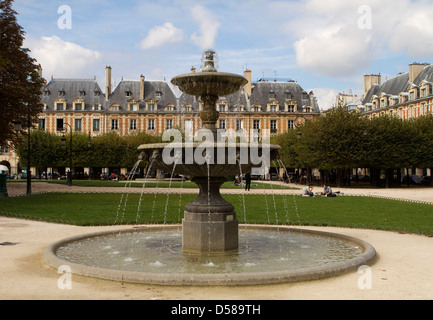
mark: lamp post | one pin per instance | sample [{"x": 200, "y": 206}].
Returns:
[{"x": 68, "y": 174}]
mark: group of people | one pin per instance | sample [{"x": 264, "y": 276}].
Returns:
[
  {"x": 327, "y": 191},
  {"x": 248, "y": 179}
]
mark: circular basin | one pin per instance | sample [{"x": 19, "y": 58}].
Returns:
[{"x": 266, "y": 254}]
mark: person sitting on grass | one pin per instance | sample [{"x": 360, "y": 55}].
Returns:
[
  {"x": 327, "y": 191},
  {"x": 308, "y": 191}
]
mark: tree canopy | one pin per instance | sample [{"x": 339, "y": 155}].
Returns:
[{"x": 20, "y": 82}]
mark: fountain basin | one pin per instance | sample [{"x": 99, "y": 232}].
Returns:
[
  {"x": 224, "y": 157},
  {"x": 267, "y": 254}
]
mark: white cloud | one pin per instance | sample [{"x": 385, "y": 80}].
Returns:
[
  {"x": 61, "y": 58},
  {"x": 325, "y": 97},
  {"x": 330, "y": 40},
  {"x": 209, "y": 26},
  {"x": 160, "y": 35}
]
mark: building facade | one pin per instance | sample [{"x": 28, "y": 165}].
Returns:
[
  {"x": 152, "y": 107},
  {"x": 407, "y": 96}
]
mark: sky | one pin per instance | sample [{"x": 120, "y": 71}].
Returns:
[{"x": 326, "y": 46}]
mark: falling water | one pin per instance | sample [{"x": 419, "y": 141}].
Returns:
[
  {"x": 273, "y": 197},
  {"x": 148, "y": 169},
  {"x": 127, "y": 185},
  {"x": 293, "y": 195},
  {"x": 243, "y": 193}
]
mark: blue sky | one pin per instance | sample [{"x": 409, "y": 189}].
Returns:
[{"x": 327, "y": 46}]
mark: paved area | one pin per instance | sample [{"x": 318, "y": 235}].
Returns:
[{"x": 401, "y": 271}]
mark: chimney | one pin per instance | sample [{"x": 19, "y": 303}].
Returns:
[
  {"x": 248, "y": 86},
  {"x": 414, "y": 70},
  {"x": 142, "y": 87},
  {"x": 107, "y": 82},
  {"x": 370, "y": 80},
  {"x": 192, "y": 70}
]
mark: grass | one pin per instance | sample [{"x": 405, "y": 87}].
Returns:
[{"x": 107, "y": 209}]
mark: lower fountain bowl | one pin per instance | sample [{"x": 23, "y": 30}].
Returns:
[{"x": 266, "y": 254}]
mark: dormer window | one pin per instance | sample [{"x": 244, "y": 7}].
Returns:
[
  {"x": 97, "y": 93},
  {"x": 46, "y": 92},
  {"x": 128, "y": 93},
  {"x": 288, "y": 95},
  {"x": 82, "y": 93},
  {"x": 271, "y": 94},
  {"x": 273, "y": 108},
  {"x": 158, "y": 94},
  {"x": 62, "y": 92}
]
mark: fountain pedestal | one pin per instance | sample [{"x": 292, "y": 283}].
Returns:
[{"x": 209, "y": 223}]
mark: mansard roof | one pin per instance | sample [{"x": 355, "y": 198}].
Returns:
[
  {"x": 70, "y": 90},
  {"x": 425, "y": 75},
  {"x": 130, "y": 89},
  {"x": 265, "y": 92},
  {"x": 399, "y": 84}
]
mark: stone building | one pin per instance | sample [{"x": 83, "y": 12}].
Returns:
[
  {"x": 152, "y": 106},
  {"x": 408, "y": 95}
]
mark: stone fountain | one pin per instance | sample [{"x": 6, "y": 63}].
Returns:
[
  {"x": 209, "y": 223},
  {"x": 206, "y": 249}
]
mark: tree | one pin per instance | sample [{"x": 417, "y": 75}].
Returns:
[
  {"x": 334, "y": 140},
  {"x": 20, "y": 82}
]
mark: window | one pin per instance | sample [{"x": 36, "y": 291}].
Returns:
[
  {"x": 82, "y": 93},
  {"x": 256, "y": 109},
  {"x": 188, "y": 125},
  {"x": 239, "y": 125},
  {"x": 291, "y": 124},
  {"x": 187, "y": 108},
  {"x": 169, "y": 124},
  {"x": 274, "y": 126},
  {"x": 291, "y": 108},
  {"x": 222, "y": 124},
  {"x": 96, "y": 107},
  {"x": 222, "y": 108},
  {"x": 151, "y": 107},
  {"x": 59, "y": 124},
  {"x": 158, "y": 94},
  {"x": 133, "y": 106},
  {"x": 133, "y": 124},
  {"x": 307, "y": 109},
  {"x": 78, "y": 106},
  {"x": 96, "y": 125},
  {"x": 77, "y": 124},
  {"x": 41, "y": 124},
  {"x": 59, "y": 106},
  {"x": 151, "y": 124},
  {"x": 169, "y": 108},
  {"x": 273, "y": 108},
  {"x": 114, "y": 108},
  {"x": 114, "y": 124},
  {"x": 256, "y": 124}
]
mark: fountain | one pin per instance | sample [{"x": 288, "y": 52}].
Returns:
[{"x": 206, "y": 249}]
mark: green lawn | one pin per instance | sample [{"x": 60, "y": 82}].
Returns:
[{"x": 107, "y": 209}]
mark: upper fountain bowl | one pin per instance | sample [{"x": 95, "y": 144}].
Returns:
[
  {"x": 213, "y": 83},
  {"x": 209, "y": 81}
]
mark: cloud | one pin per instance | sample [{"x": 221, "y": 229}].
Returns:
[
  {"x": 161, "y": 35},
  {"x": 61, "y": 58},
  {"x": 335, "y": 52},
  {"x": 333, "y": 39},
  {"x": 209, "y": 26}
]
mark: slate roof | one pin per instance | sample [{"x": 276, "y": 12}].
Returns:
[
  {"x": 151, "y": 88},
  {"x": 398, "y": 84},
  {"x": 71, "y": 89},
  {"x": 234, "y": 100},
  {"x": 264, "y": 92}
]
